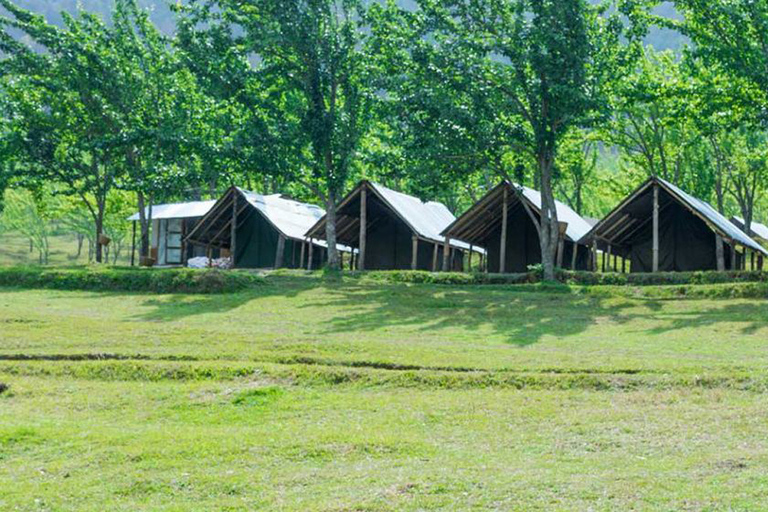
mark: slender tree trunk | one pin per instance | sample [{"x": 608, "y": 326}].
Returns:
[
  {"x": 80, "y": 238},
  {"x": 99, "y": 232},
  {"x": 550, "y": 229},
  {"x": 144, "y": 223},
  {"x": 330, "y": 231}
]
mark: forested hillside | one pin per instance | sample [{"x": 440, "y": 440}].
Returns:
[{"x": 162, "y": 16}]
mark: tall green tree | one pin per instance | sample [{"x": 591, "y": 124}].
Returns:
[
  {"x": 733, "y": 34},
  {"x": 59, "y": 120},
  {"x": 97, "y": 106},
  {"x": 730, "y": 41},
  {"x": 157, "y": 102},
  {"x": 311, "y": 57},
  {"x": 543, "y": 65}
]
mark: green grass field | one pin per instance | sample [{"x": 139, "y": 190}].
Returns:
[{"x": 305, "y": 394}]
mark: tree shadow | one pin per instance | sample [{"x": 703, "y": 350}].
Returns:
[
  {"x": 751, "y": 315},
  {"x": 521, "y": 317}
]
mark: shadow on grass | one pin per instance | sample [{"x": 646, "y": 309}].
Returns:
[{"x": 520, "y": 316}]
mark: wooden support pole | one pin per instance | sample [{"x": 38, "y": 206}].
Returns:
[
  {"x": 434, "y": 258},
  {"x": 446, "y": 253},
  {"x": 483, "y": 263},
  {"x": 574, "y": 256},
  {"x": 752, "y": 261},
  {"x": 469, "y": 262},
  {"x": 503, "y": 247},
  {"x": 594, "y": 255},
  {"x": 233, "y": 233},
  {"x": 311, "y": 250},
  {"x": 363, "y": 227},
  {"x": 280, "y": 251},
  {"x": 133, "y": 245},
  {"x": 301, "y": 257},
  {"x": 560, "y": 251},
  {"x": 623, "y": 264},
  {"x": 602, "y": 262},
  {"x": 656, "y": 227},
  {"x": 733, "y": 256},
  {"x": 615, "y": 266},
  {"x": 415, "y": 252},
  {"x": 720, "y": 253}
]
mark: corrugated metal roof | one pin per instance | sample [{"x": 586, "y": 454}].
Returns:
[
  {"x": 290, "y": 217},
  {"x": 177, "y": 210},
  {"x": 725, "y": 226},
  {"x": 577, "y": 226},
  {"x": 760, "y": 230},
  {"x": 427, "y": 219}
]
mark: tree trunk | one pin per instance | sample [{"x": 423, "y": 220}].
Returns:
[
  {"x": 550, "y": 230},
  {"x": 330, "y": 232},
  {"x": 144, "y": 222},
  {"x": 99, "y": 232}
]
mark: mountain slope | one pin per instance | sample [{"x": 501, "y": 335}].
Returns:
[{"x": 162, "y": 16}]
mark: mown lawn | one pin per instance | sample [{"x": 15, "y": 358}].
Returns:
[{"x": 302, "y": 394}]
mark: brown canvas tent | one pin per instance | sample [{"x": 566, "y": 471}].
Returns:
[
  {"x": 393, "y": 231},
  {"x": 512, "y": 242},
  {"x": 261, "y": 231},
  {"x": 660, "y": 227}
]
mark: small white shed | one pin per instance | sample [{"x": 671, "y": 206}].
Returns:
[{"x": 171, "y": 223}]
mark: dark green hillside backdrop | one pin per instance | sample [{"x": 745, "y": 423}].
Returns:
[{"x": 660, "y": 39}]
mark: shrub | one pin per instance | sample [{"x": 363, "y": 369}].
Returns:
[
  {"x": 580, "y": 278},
  {"x": 180, "y": 280}
]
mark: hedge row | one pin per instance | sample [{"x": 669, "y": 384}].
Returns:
[
  {"x": 129, "y": 279},
  {"x": 572, "y": 278},
  {"x": 219, "y": 281}
]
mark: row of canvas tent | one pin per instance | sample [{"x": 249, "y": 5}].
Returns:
[{"x": 657, "y": 228}]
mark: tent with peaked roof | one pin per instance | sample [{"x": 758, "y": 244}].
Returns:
[
  {"x": 262, "y": 231},
  {"x": 169, "y": 227},
  {"x": 757, "y": 230},
  {"x": 515, "y": 240},
  {"x": 393, "y": 231},
  {"x": 660, "y": 227}
]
